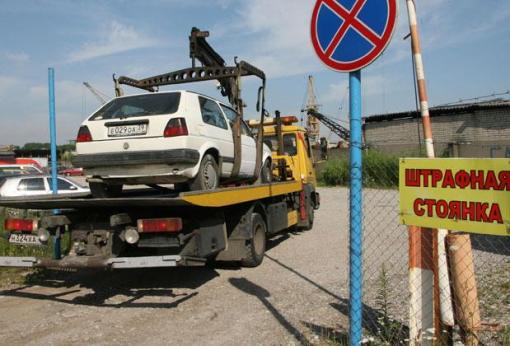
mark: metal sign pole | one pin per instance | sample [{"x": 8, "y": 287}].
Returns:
[
  {"x": 356, "y": 207},
  {"x": 53, "y": 143}
]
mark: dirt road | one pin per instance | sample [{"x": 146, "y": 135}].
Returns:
[{"x": 298, "y": 294}]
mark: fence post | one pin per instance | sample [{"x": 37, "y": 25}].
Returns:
[
  {"x": 356, "y": 210},
  {"x": 53, "y": 143}
]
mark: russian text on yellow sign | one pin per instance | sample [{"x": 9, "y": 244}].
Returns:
[{"x": 480, "y": 184}]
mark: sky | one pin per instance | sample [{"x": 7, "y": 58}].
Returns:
[{"x": 466, "y": 45}]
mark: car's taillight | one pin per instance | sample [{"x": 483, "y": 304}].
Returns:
[
  {"x": 176, "y": 127},
  {"x": 20, "y": 225},
  {"x": 83, "y": 135},
  {"x": 160, "y": 225}
]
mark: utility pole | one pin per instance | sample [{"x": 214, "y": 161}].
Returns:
[{"x": 428, "y": 270}]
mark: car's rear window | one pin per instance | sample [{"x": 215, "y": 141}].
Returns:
[{"x": 139, "y": 105}]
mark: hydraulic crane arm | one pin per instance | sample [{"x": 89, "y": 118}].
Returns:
[
  {"x": 96, "y": 93},
  {"x": 341, "y": 131}
]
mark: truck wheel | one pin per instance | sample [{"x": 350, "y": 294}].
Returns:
[
  {"x": 103, "y": 190},
  {"x": 266, "y": 174},
  {"x": 208, "y": 177},
  {"x": 310, "y": 214},
  {"x": 256, "y": 248}
]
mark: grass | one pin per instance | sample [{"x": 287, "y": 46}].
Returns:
[
  {"x": 379, "y": 171},
  {"x": 19, "y": 275}
]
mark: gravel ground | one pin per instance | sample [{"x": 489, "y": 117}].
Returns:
[{"x": 298, "y": 295}]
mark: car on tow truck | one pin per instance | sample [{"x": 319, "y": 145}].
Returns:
[{"x": 177, "y": 137}]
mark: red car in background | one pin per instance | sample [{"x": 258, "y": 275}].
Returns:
[{"x": 70, "y": 172}]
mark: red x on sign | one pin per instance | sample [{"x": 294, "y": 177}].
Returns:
[{"x": 349, "y": 34}]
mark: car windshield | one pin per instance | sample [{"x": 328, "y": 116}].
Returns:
[{"x": 139, "y": 105}]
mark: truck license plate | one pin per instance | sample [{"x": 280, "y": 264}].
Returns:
[
  {"x": 127, "y": 130},
  {"x": 24, "y": 239}
]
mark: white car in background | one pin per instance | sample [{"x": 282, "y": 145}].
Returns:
[
  {"x": 18, "y": 169},
  {"x": 37, "y": 185},
  {"x": 178, "y": 137}
]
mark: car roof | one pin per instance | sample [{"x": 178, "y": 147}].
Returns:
[
  {"x": 175, "y": 91},
  {"x": 25, "y": 176}
]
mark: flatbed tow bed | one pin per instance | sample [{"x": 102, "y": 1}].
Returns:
[
  {"x": 144, "y": 228},
  {"x": 222, "y": 197}
]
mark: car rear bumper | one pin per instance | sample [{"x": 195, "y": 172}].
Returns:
[{"x": 173, "y": 156}]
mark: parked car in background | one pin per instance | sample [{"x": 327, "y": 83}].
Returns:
[
  {"x": 71, "y": 172},
  {"x": 19, "y": 169},
  {"x": 178, "y": 137},
  {"x": 35, "y": 185}
]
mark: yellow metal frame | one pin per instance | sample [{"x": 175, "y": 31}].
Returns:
[{"x": 235, "y": 195}]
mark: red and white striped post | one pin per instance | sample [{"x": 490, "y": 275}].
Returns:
[{"x": 421, "y": 241}]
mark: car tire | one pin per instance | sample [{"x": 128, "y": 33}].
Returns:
[
  {"x": 266, "y": 173},
  {"x": 103, "y": 190},
  {"x": 208, "y": 177},
  {"x": 256, "y": 247}
]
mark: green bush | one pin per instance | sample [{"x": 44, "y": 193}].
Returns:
[
  {"x": 379, "y": 171},
  {"x": 335, "y": 172}
]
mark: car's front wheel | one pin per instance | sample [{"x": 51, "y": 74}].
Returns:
[
  {"x": 103, "y": 190},
  {"x": 208, "y": 177}
]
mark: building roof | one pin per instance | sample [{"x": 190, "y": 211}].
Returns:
[{"x": 442, "y": 110}]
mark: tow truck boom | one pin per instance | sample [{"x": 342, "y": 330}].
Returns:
[{"x": 213, "y": 68}]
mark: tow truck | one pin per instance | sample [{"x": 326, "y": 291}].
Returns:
[
  {"x": 166, "y": 228},
  {"x": 147, "y": 228}
]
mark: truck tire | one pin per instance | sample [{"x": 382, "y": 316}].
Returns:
[
  {"x": 310, "y": 214},
  {"x": 256, "y": 247},
  {"x": 103, "y": 190},
  {"x": 208, "y": 177}
]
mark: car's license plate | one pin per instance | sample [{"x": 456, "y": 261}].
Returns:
[
  {"x": 24, "y": 239},
  {"x": 127, "y": 130}
]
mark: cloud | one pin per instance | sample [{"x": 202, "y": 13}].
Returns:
[
  {"x": 19, "y": 57},
  {"x": 120, "y": 38}
]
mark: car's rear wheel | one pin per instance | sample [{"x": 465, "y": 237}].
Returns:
[
  {"x": 103, "y": 190},
  {"x": 208, "y": 177}
]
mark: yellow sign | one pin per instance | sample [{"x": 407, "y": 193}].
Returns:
[{"x": 471, "y": 195}]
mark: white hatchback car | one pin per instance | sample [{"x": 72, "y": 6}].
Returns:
[
  {"x": 178, "y": 137},
  {"x": 36, "y": 185}
]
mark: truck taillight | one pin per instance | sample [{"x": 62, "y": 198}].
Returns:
[
  {"x": 20, "y": 225},
  {"x": 176, "y": 127},
  {"x": 83, "y": 135},
  {"x": 160, "y": 225}
]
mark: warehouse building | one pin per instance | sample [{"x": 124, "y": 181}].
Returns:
[{"x": 468, "y": 130}]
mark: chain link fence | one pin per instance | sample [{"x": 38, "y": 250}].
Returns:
[{"x": 471, "y": 290}]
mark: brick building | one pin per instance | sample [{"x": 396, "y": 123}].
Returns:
[{"x": 467, "y": 130}]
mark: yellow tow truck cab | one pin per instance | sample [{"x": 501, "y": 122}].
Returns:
[{"x": 296, "y": 153}]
